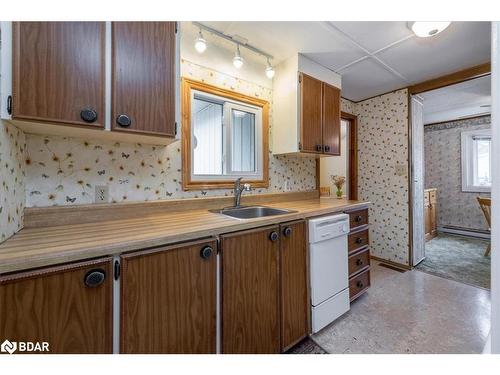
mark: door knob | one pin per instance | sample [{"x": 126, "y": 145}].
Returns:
[
  {"x": 273, "y": 236},
  {"x": 287, "y": 232},
  {"x": 94, "y": 278},
  {"x": 360, "y": 284},
  {"x": 358, "y": 219},
  {"x": 123, "y": 120},
  {"x": 206, "y": 252},
  {"x": 88, "y": 115},
  {"x": 359, "y": 262},
  {"x": 359, "y": 240}
]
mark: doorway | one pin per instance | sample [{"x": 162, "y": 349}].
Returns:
[{"x": 345, "y": 165}]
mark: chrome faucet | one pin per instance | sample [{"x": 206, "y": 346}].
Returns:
[{"x": 238, "y": 190}]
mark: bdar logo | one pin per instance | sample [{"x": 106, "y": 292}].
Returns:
[{"x": 8, "y": 347}]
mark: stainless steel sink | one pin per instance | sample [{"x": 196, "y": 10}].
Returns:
[{"x": 252, "y": 212}]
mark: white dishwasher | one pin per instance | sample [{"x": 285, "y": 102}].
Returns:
[{"x": 329, "y": 269}]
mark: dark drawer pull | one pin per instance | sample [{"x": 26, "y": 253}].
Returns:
[
  {"x": 88, "y": 115},
  {"x": 287, "y": 232},
  {"x": 359, "y": 240},
  {"x": 319, "y": 148},
  {"x": 360, "y": 285},
  {"x": 94, "y": 278},
  {"x": 206, "y": 252},
  {"x": 358, "y": 219},
  {"x": 327, "y": 148},
  {"x": 359, "y": 262},
  {"x": 123, "y": 120},
  {"x": 273, "y": 236}
]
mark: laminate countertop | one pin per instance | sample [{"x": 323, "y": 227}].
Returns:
[{"x": 37, "y": 247}]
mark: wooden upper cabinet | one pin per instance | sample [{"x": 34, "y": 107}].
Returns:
[
  {"x": 58, "y": 72},
  {"x": 311, "y": 114},
  {"x": 331, "y": 120},
  {"x": 68, "y": 306},
  {"x": 294, "y": 284},
  {"x": 143, "y": 70},
  {"x": 169, "y": 300},
  {"x": 250, "y": 292}
]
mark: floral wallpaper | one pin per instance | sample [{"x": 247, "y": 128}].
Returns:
[
  {"x": 347, "y": 106},
  {"x": 383, "y": 172},
  {"x": 65, "y": 171},
  {"x": 443, "y": 170},
  {"x": 12, "y": 175}
]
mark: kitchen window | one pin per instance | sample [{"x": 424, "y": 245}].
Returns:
[
  {"x": 225, "y": 136},
  {"x": 476, "y": 161}
]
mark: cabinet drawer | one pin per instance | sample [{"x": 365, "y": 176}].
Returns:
[
  {"x": 358, "y": 218},
  {"x": 359, "y": 261},
  {"x": 357, "y": 240},
  {"x": 359, "y": 284}
]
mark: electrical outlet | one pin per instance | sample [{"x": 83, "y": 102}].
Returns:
[
  {"x": 400, "y": 170},
  {"x": 101, "y": 194}
]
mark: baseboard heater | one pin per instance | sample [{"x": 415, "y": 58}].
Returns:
[{"x": 478, "y": 233}]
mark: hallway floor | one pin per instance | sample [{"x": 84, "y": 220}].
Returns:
[
  {"x": 411, "y": 312},
  {"x": 458, "y": 258}
]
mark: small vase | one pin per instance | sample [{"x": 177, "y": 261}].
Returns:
[{"x": 339, "y": 193}]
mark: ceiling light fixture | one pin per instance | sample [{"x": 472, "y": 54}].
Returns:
[
  {"x": 425, "y": 29},
  {"x": 237, "y": 59},
  {"x": 200, "y": 45},
  {"x": 269, "y": 70}
]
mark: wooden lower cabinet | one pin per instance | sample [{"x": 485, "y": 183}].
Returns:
[
  {"x": 67, "y": 306},
  {"x": 294, "y": 280},
  {"x": 168, "y": 299},
  {"x": 358, "y": 252},
  {"x": 250, "y": 291}
]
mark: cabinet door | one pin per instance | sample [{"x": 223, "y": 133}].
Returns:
[
  {"x": 250, "y": 292},
  {"x": 331, "y": 120},
  {"x": 68, "y": 306},
  {"x": 294, "y": 284},
  {"x": 168, "y": 300},
  {"x": 143, "y": 88},
  {"x": 311, "y": 114},
  {"x": 58, "y": 72}
]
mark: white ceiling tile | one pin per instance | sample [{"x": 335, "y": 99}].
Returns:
[
  {"x": 337, "y": 59},
  {"x": 461, "y": 45},
  {"x": 375, "y": 35},
  {"x": 366, "y": 79}
]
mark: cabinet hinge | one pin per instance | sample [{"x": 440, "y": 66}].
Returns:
[
  {"x": 117, "y": 270},
  {"x": 176, "y": 27},
  {"x": 300, "y": 78},
  {"x": 300, "y": 146},
  {"x": 175, "y": 128},
  {"x": 9, "y": 104}
]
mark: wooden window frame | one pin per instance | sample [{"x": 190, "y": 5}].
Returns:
[{"x": 187, "y": 183}]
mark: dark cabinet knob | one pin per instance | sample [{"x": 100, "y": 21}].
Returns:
[
  {"x": 319, "y": 148},
  {"x": 287, "y": 232},
  {"x": 358, "y": 219},
  {"x": 88, "y": 115},
  {"x": 273, "y": 236},
  {"x": 360, "y": 284},
  {"x": 206, "y": 252},
  {"x": 94, "y": 278},
  {"x": 123, "y": 120},
  {"x": 359, "y": 262},
  {"x": 327, "y": 148},
  {"x": 359, "y": 240}
]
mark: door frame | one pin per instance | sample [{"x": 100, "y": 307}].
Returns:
[{"x": 352, "y": 157}]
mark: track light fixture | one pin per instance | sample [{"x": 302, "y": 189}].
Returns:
[
  {"x": 269, "y": 70},
  {"x": 237, "y": 59},
  {"x": 200, "y": 44}
]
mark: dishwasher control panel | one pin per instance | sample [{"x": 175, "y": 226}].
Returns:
[{"x": 325, "y": 228}]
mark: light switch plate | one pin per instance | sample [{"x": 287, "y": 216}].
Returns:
[{"x": 101, "y": 194}]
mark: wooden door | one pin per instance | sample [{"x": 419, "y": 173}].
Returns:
[
  {"x": 58, "y": 72},
  {"x": 168, "y": 299},
  {"x": 68, "y": 306},
  {"x": 331, "y": 120},
  {"x": 250, "y": 292},
  {"x": 143, "y": 67},
  {"x": 294, "y": 284},
  {"x": 311, "y": 114}
]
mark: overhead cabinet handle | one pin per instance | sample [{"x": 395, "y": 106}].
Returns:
[
  {"x": 88, "y": 115},
  {"x": 123, "y": 120},
  {"x": 327, "y": 148},
  {"x": 319, "y": 148}
]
